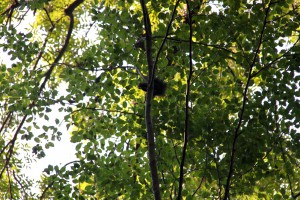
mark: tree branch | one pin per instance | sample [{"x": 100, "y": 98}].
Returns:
[
  {"x": 69, "y": 12},
  {"x": 12, "y": 145},
  {"x": 236, "y": 133},
  {"x": 12, "y": 142},
  {"x": 149, "y": 96},
  {"x": 20, "y": 184},
  {"x": 166, "y": 35},
  {"x": 266, "y": 67},
  {"x": 187, "y": 101}
]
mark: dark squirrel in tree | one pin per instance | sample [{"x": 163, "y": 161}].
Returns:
[{"x": 159, "y": 87}]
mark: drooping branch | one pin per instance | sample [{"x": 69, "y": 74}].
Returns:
[
  {"x": 69, "y": 12},
  {"x": 11, "y": 143}
]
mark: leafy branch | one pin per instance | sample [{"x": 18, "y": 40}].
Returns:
[
  {"x": 269, "y": 65},
  {"x": 49, "y": 185},
  {"x": 11, "y": 143},
  {"x": 241, "y": 115}
]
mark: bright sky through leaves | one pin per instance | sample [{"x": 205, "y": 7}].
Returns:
[{"x": 227, "y": 127}]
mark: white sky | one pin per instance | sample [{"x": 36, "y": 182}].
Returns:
[{"x": 63, "y": 150}]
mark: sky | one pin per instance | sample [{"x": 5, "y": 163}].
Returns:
[{"x": 63, "y": 150}]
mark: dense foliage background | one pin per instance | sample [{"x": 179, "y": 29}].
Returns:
[{"x": 228, "y": 125}]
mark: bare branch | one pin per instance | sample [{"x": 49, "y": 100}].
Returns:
[
  {"x": 149, "y": 97},
  {"x": 187, "y": 101}
]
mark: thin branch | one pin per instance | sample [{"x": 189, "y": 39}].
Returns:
[
  {"x": 216, "y": 46},
  {"x": 106, "y": 110},
  {"x": 166, "y": 35},
  {"x": 266, "y": 67},
  {"x": 175, "y": 152},
  {"x": 140, "y": 73},
  {"x": 47, "y": 13},
  {"x": 284, "y": 156},
  {"x": 280, "y": 135},
  {"x": 296, "y": 195},
  {"x": 9, "y": 183},
  {"x": 10, "y": 10},
  {"x": 239, "y": 45},
  {"x": 53, "y": 181},
  {"x": 8, "y": 116},
  {"x": 285, "y": 162},
  {"x": 12, "y": 145},
  {"x": 216, "y": 159},
  {"x": 40, "y": 54},
  {"x": 187, "y": 101},
  {"x": 18, "y": 181},
  {"x": 241, "y": 116},
  {"x": 203, "y": 177}
]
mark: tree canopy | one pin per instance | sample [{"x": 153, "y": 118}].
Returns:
[{"x": 227, "y": 127}]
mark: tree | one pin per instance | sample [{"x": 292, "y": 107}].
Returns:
[{"x": 228, "y": 126}]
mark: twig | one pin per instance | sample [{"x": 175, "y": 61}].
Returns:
[
  {"x": 9, "y": 183},
  {"x": 18, "y": 181},
  {"x": 8, "y": 116}
]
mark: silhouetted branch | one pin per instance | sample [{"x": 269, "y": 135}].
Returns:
[
  {"x": 11, "y": 145},
  {"x": 10, "y": 10},
  {"x": 241, "y": 115},
  {"x": 69, "y": 12},
  {"x": 269, "y": 65},
  {"x": 8, "y": 116},
  {"x": 187, "y": 101},
  {"x": 149, "y": 96}
]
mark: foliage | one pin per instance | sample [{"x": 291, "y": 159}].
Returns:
[{"x": 232, "y": 73}]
